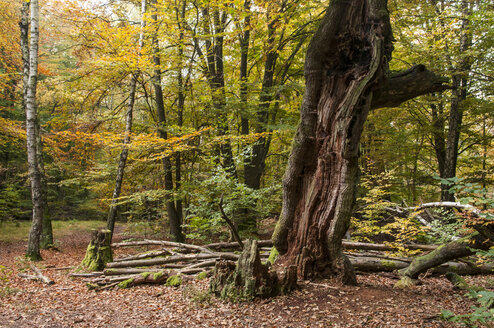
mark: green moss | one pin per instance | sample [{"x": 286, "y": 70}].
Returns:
[
  {"x": 158, "y": 275},
  {"x": 174, "y": 281},
  {"x": 389, "y": 264},
  {"x": 126, "y": 283},
  {"x": 202, "y": 275},
  {"x": 405, "y": 282},
  {"x": 145, "y": 275},
  {"x": 91, "y": 286},
  {"x": 273, "y": 255}
]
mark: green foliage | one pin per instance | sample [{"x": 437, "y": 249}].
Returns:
[
  {"x": 482, "y": 314},
  {"x": 197, "y": 296},
  {"x": 243, "y": 205},
  {"x": 374, "y": 220},
  {"x": 174, "y": 281},
  {"x": 5, "y": 277},
  {"x": 202, "y": 275}
]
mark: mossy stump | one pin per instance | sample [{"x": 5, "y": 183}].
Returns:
[
  {"x": 249, "y": 278},
  {"x": 99, "y": 251}
]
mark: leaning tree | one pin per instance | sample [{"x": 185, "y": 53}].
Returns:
[{"x": 347, "y": 74}]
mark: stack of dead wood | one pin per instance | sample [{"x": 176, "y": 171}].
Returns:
[{"x": 168, "y": 259}]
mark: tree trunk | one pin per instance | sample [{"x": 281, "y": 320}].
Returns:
[
  {"x": 174, "y": 212},
  {"x": 110, "y": 222},
  {"x": 98, "y": 252},
  {"x": 46, "y": 239},
  {"x": 256, "y": 162},
  {"x": 249, "y": 278},
  {"x": 449, "y": 154},
  {"x": 33, "y": 250},
  {"x": 346, "y": 75}
]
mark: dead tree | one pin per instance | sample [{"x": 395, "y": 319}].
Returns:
[
  {"x": 346, "y": 74},
  {"x": 98, "y": 252}
]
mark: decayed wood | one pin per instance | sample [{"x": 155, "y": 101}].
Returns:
[
  {"x": 346, "y": 65},
  {"x": 249, "y": 277}
]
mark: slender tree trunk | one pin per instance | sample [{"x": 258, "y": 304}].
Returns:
[
  {"x": 173, "y": 211},
  {"x": 346, "y": 75},
  {"x": 33, "y": 250},
  {"x": 46, "y": 240},
  {"x": 459, "y": 94},
  {"x": 112, "y": 214},
  {"x": 255, "y": 165},
  {"x": 244, "y": 61}
]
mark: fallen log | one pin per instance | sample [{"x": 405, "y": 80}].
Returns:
[
  {"x": 383, "y": 247},
  {"x": 453, "y": 250},
  {"x": 148, "y": 242},
  {"x": 375, "y": 264},
  {"x": 40, "y": 275},
  {"x": 86, "y": 275},
  {"x": 172, "y": 259},
  {"x": 141, "y": 256}
]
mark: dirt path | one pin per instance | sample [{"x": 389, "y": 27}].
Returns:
[{"x": 68, "y": 303}]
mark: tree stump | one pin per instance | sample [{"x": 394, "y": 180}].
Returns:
[
  {"x": 249, "y": 278},
  {"x": 99, "y": 251}
]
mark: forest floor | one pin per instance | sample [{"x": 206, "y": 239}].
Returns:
[{"x": 68, "y": 303}]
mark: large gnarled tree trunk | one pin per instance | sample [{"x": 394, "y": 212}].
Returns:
[{"x": 346, "y": 72}]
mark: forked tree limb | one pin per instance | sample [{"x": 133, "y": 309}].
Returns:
[
  {"x": 230, "y": 224},
  {"x": 405, "y": 85}
]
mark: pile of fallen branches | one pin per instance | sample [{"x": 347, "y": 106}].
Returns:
[
  {"x": 158, "y": 265},
  {"x": 182, "y": 260}
]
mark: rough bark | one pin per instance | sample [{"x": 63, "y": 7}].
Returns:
[
  {"x": 249, "y": 278},
  {"x": 99, "y": 251},
  {"x": 173, "y": 210},
  {"x": 346, "y": 65},
  {"x": 33, "y": 248},
  {"x": 112, "y": 214}
]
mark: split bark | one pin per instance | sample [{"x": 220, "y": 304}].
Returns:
[{"x": 346, "y": 66}]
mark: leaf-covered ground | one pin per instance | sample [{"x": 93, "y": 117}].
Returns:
[{"x": 68, "y": 303}]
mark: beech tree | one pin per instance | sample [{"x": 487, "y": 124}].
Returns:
[
  {"x": 128, "y": 129},
  {"x": 346, "y": 75}
]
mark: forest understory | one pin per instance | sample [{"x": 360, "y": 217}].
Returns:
[{"x": 68, "y": 303}]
